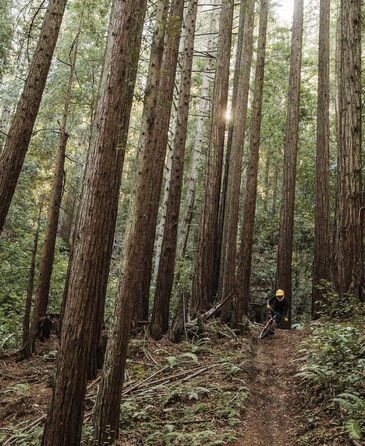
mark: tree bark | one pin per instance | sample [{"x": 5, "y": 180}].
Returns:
[
  {"x": 46, "y": 262},
  {"x": 70, "y": 206},
  {"x": 149, "y": 117},
  {"x": 237, "y": 71},
  {"x": 26, "y": 350},
  {"x": 4, "y": 122},
  {"x": 20, "y": 132},
  {"x": 285, "y": 248},
  {"x": 275, "y": 191},
  {"x": 348, "y": 237},
  {"x": 230, "y": 224},
  {"x": 140, "y": 240},
  {"x": 267, "y": 178},
  {"x": 321, "y": 262},
  {"x": 198, "y": 147},
  {"x": 245, "y": 255},
  {"x": 165, "y": 277},
  {"x": 204, "y": 280},
  {"x": 95, "y": 228}
]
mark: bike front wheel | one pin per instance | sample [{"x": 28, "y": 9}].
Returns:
[{"x": 267, "y": 329}]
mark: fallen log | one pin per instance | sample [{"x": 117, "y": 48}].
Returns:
[{"x": 210, "y": 313}]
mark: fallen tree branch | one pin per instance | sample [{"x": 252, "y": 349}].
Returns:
[{"x": 208, "y": 314}]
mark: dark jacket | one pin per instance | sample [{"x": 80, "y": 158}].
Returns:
[{"x": 280, "y": 307}]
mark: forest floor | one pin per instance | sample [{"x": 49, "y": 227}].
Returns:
[
  {"x": 220, "y": 389},
  {"x": 272, "y": 415}
]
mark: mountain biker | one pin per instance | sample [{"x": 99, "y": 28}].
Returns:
[{"x": 278, "y": 306}]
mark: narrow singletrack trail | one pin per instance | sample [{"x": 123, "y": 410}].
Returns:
[{"x": 272, "y": 410}]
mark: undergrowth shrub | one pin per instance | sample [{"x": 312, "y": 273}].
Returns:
[
  {"x": 336, "y": 305},
  {"x": 332, "y": 383}
]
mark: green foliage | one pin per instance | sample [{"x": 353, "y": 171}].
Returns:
[
  {"x": 336, "y": 305},
  {"x": 189, "y": 409},
  {"x": 332, "y": 378},
  {"x": 6, "y": 33}
]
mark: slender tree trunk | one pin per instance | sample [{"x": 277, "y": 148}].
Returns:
[
  {"x": 162, "y": 221},
  {"x": 275, "y": 191},
  {"x": 245, "y": 255},
  {"x": 127, "y": 101},
  {"x": 165, "y": 277},
  {"x": 26, "y": 350},
  {"x": 230, "y": 224},
  {"x": 46, "y": 263},
  {"x": 178, "y": 323},
  {"x": 267, "y": 178},
  {"x": 285, "y": 249},
  {"x": 348, "y": 239},
  {"x": 338, "y": 136},
  {"x": 149, "y": 117},
  {"x": 169, "y": 159},
  {"x": 321, "y": 262},
  {"x": 198, "y": 147},
  {"x": 20, "y": 132},
  {"x": 222, "y": 208},
  {"x": 70, "y": 205},
  {"x": 140, "y": 240},
  {"x": 95, "y": 228},
  {"x": 4, "y": 122},
  {"x": 203, "y": 284}
]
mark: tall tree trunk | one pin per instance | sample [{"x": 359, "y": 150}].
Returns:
[
  {"x": 222, "y": 208},
  {"x": 127, "y": 101},
  {"x": 20, "y": 132},
  {"x": 178, "y": 323},
  {"x": 348, "y": 239},
  {"x": 204, "y": 280},
  {"x": 165, "y": 196},
  {"x": 70, "y": 205},
  {"x": 169, "y": 159},
  {"x": 95, "y": 228},
  {"x": 321, "y": 263},
  {"x": 267, "y": 178},
  {"x": 245, "y": 255},
  {"x": 140, "y": 240},
  {"x": 46, "y": 263},
  {"x": 275, "y": 191},
  {"x": 285, "y": 249},
  {"x": 26, "y": 350},
  {"x": 198, "y": 147},
  {"x": 165, "y": 277},
  {"x": 230, "y": 224},
  {"x": 149, "y": 117},
  {"x": 4, "y": 122}
]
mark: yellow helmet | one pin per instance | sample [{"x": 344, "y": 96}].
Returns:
[{"x": 280, "y": 294}]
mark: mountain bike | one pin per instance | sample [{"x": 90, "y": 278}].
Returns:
[{"x": 270, "y": 324}]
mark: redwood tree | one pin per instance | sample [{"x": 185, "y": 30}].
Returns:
[
  {"x": 348, "y": 236},
  {"x": 137, "y": 263},
  {"x": 26, "y": 349},
  {"x": 199, "y": 139},
  {"x": 236, "y": 75},
  {"x": 149, "y": 116},
  {"x": 21, "y": 128},
  {"x": 95, "y": 228},
  {"x": 321, "y": 262},
  {"x": 166, "y": 268},
  {"x": 230, "y": 225},
  {"x": 285, "y": 248},
  {"x": 204, "y": 282},
  {"x": 245, "y": 255},
  {"x": 46, "y": 262}
]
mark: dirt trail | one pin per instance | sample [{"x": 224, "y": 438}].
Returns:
[{"x": 272, "y": 409}]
